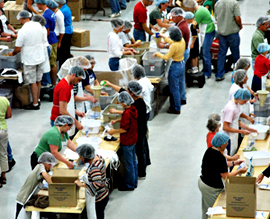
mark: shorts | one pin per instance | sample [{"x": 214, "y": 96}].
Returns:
[
  {"x": 32, "y": 73},
  {"x": 53, "y": 56}
]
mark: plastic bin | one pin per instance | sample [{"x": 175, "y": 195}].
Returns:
[
  {"x": 259, "y": 158},
  {"x": 9, "y": 61},
  {"x": 153, "y": 67},
  {"x": 106, "y": 100},
  {"x": 153, "y": 111},
  {"x": 262, "y": 129},
  {"x": 262, "y": 111},
  {"x": 138, "y": 56},
  {"x": 144, "y": 46},
  {"x": 91, "y": 125},
  {"x": 4, "y": 92},
  {"x": 107, "y": 116},
  {"x": 11, "y": 45}
]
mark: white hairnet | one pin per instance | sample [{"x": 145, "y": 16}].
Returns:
[
  {"x": 127, "y": 25},
  {"x": 125, "y": 98},
  {"x": 161, "y": 2},
  {"x": 86, "y": 151},
  {"x": 89, "y": 57},
  {"x": 175, "y": 33},
  {"x": 23, "y": 14},
  {"x": 63, "y": 120},
  {"x": 261, "y": 20},
  {"x": 61, "y": 2},
  {"x": 214, "y": 116},
  {"x": 83, "y": 62},
  {"x": 78, "y": 71},
  {"x": 40, "y": 19},
  {"x": 51, "y": 4},
  {"x": 219, "y": 139},
  {"x": 117, "y": 23},
  {"x": 138, "y": 71},
  {"x": 190, "y": 3},
  {"x": 242, "y": 63},
  {"x": 242, "y": 94},
  {"x": 239, "y": 76},
  {"x": 177, "y": 12},
  {"x": 135, "y": 88},
  {"x": 46, "y": 157}
]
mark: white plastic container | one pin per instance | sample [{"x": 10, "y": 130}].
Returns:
[
  {"x": 262, "y": 129},
  {"x": 91, "y": 125},
  {"x": 259, "y": 158},
  {"x": 94, "y": 141}
]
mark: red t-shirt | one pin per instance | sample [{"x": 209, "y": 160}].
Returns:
[
  {"x": 129, "y": 123},
  {"x": 209, "y": 137},
  {"x": 183, "y": 26},
  {"x": 262, "y": 66},
  {"x": 214, "y": 49},
  {"x": 139, "y": 15},
  {"x": 62, "y": 92}
]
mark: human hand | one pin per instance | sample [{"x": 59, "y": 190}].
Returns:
[
  {"x": 256, "y": 96},
  {"x": 113, "y": 122},
  {"x": 10, "y": 53},
  {"x": 104, "y": 93},
  {"x": 92, "y": 99},
  {"x": 138, "y": 43},
  {"x": 260, "y": 178},
  {"x": 58, "y": 45},
  {"x": 112, "y": 111},
  {"x": 161, "y": 45},
  {"x": 245, "y": 132},
  {"x": 161, "y": 35},
  {"x": 80, "y": 114},
  {"x": 251, "y": 120},
  {"x": 78, "y": 125},
  {"x": 253, "y": 100},
  {"x": 70, "y": 165},
  {"x": 243, "y": 170},
  {"x": 8, "y": 39},
  {"x": 191, "y": 45},
  {"x": 155, "y": 28},
  {"x": 154, "y": 54},
  {"x": 111, "y": 132},
  {"x": 238, "y": 162}
]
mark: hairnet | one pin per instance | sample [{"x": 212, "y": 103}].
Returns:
[
  {"x": 125, "y": 98},
  {"x": 51, "y": 4},
  {"x": 40, "y": 19},
  {"x": 239, "y": 76},
  {"x": 261, "y": 20},
  {"x": 78, "y": 71},
  {"x": 86, "y": 151},
  {"x": 212, "y": 125},
  {"x": 219, "y": 139},
  {"x": 175, "y": 33},
  {"x": 89, "y": 57},
  {"x": 138, "y": 71},
  {"x": 46, "y": 157},
  {"x": 242, "y": 94},
  {"x": 23, "y": 14},
  {"x": 177, "y": 12},
  {"x": 242, "y": 63},
  {"x": 61, "y": 2},
  {"x": 263, "y": 47},
  {"x": 214, "y": 116},
  {"x": 117, "y": 23},
  {"x": 43, "y": 2},
  {"x": 189, "y": 15},
  {"x": 190, "y": 3},
  {"x": 135, "y": 88},
  {"x": 161, "y": 2},
  {"x": 83, "y": 62},
  {"x": 63, "y": 120},
  {"x": 127, "y": 25}
]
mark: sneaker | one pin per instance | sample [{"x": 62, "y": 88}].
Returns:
[
  {"x": 118, "y": 14},
  {"x": 189, "y": 71},
  {"x": 110, "y": 139},
  {"x": 142, "y": 178},
  {"x": 11, "y": 163},
  {"x": 31, "y": 107},
  {"x": 39, "y": 103},
  {"x": 220, "y": 79},
  {"x": 173, "y": 111},
  {"x": 113, "y": 15},
  {"x": 183, "y": 102},
  {"x": 195, "y": 70}
]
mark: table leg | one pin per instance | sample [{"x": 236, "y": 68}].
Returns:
[{"x": 157, "y": 97}]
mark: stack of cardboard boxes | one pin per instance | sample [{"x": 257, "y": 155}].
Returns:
[
  {"x": 75, "y": 7},
  {"x": 11, "y": 9}
]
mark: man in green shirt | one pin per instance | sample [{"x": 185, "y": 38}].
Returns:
[{"x": 258, "y": 37}]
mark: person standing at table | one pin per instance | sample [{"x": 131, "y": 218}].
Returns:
[{"x": 96, "y": 192}]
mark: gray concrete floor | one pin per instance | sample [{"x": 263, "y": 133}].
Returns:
[{"x": 177, "y": 143}]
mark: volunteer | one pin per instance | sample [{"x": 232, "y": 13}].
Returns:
[
  {"x": 214, "y": 171},
  {"x": 242, "y": 63},
  {"x": 8, "y": 28},
  {"x": 30, "y": 6},
  {"x": 230, "y": 119},
  {"x": 125, "y": 36},
  {"x": 96, "y": 192},
  {"x": 266, "y": 173},
  {"x": 55, "y": 140},
  {"x": 32, "y": 184}
]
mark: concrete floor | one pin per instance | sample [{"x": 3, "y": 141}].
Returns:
[{"x": 177, "y": 143}]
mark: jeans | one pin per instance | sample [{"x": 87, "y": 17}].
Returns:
[
  {"x": 9, "y": 152},
  {"x": 131, "y": 178},
  {"x": 231, "y": 41},
  {"x": 123, "y": 4},
  {"x": 46, "y": 79},
  {"x": 141, "y": 151},
  {"x": 100, "y": 207},
  {"x": 139, "y": 35},
  {"x": 256, "y": 83},
  {"x": 253, "y": 63},
  {"x": 186, "y": 55},
  {"x": 177, "y": 85},
  {"x": 207, "y": 69},
  {"x": 52, "y": 123},
  {"x": 115, "y": 6},
  {"x": 114, "y": 64}
]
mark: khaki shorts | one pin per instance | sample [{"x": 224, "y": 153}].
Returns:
[
  {"x": 53, "y": 56},
  {"x": 32, "y": 73}
]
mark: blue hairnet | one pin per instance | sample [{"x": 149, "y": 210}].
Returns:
[
  {"x": 86, "y": 151},
  {"x": 63, "y": 120},
  {"x": 190, "y": 3},
  {"x": 261, "y": 20},
  {"x": 46, "y": 157},
  {"x": 40, "y": 19},
  {"x": 135, "y": 88},
  {"x": 23, "y": 14},
  {"x": 78, "y": 71},
  {"x": 51, "y": 4},
  {"x": 43, "y": 2},
  {"x": 263, "y": 47},
  {"x": 138, "y": 71},
  {"x": 219, "y": 139},
  {"x": 189, "y": 15},
  {"x": 61, "y": 2},
  {"x": 125, "y": 98},
  {"x": 175, "y": 33},
  {"x": 242, "y": 94},
  {"x": 161, "y": 2}
]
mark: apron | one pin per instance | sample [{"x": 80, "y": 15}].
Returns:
[
  {"x": 3, "y": 18},
  {"x": 264, "y": 78},
  {"x": 80, "y": 104},
  {"x": 88, "y": 104},
  {"x": 90, "y": 200},
  {"x": 71, "y": 110},
  {"x": 64, "y": 147}
]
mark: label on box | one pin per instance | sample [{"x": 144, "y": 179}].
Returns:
[{"x": 152, "y": 67}]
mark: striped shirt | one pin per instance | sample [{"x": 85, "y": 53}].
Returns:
[{"x": 97, "y": 179}]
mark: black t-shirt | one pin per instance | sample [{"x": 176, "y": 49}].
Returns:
[{"x": 213, "y": 164}]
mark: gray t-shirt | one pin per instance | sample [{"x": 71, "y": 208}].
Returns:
[
  {"x": 125, "y": 38},
  {"x": 225, "y": 13}
]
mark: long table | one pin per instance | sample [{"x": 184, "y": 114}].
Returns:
[{"x": 261, "y": 145}]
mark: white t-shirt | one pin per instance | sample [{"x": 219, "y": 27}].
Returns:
[
  {"x": 30, "y": 39},
  {"x": 235, "y": 87},
  {"x": 230, "y": 112},
  {"x": 60, "y": 24},
  {"x": 147, "y": 88},
  {"x": 114, "y": 45},
  {"x": 126, "y": 38}
]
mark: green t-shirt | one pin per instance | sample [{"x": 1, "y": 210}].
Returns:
[
  {"x": 203, "y": 16},
  {"x": 51, "y": 137},
  {"x": 155, "y": 14},
  {"x": 4, "y": 103},
  {"x": 257, "y": 38}
]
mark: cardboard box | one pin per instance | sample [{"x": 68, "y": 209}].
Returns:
[
  {"x": 19, "y": 2},
  {"x": 80, "y": 38},
  {"x": 75, "y": 8},
  {"x": 241, "y": 197},
  {"x": 13, "y": 12},
  {"x": 63, "y": 191},
  {"x": 8, "y": 5}
]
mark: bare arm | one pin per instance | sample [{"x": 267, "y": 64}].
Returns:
[
  {"x": 8, "y": 113},
  {"x": 161, "y": 24},
  {"x": 15, "y": 51},
  {"x": 227, "y": 128},
  {"x": 233, "y": 173},
  {"x": 71, "y": 145},
  {"x": 60, "y": 40},
  {"x": 47, "y": 177},
  {"x": 29, "y": 6},
  {"x": 115, "y": 87},
  {"x": 247, "y": 118},
  {"x": 114, "y": 131},
  {"x": 238, "y": 21},
  {"x": 146, "y": 29},
  {"x": 10, "y": 27},
  {"x": 58, "y": 156}
]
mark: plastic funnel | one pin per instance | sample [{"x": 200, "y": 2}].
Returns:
[
  {"x": 97, "y": 91},
  {"x": 262, "y": 96}
]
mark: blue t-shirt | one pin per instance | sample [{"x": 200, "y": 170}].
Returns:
[
  {"x": 67, "y": 19},
  {"x": 90, "y": 78},
  {"x": 51, "y": 21}
]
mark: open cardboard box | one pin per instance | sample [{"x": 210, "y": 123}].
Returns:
[
  {"x": 63, "y": 191},
  {"x": 241, "y": 196}
]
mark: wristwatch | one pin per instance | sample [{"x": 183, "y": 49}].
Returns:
[{"x": 233, "y": 163}]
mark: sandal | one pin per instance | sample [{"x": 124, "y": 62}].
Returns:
[{"x": 3, "y": 180}]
